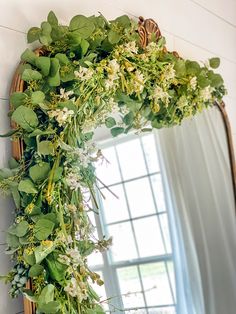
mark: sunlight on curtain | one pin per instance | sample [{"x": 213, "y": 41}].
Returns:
[{"x": 196, "y": 160}]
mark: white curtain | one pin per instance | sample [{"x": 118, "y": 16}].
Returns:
[{"x": 197, "y": 170}]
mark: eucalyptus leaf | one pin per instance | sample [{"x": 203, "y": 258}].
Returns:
[
  {"x": 49, "y": 308},
  {"x": 52, "y": 19},
  {"x": 47, "y": 294},
  {"x": 45, "y": 148},
  {"x": 37, "y": 97},
  {"x": 31, "y": 75},
  {"x": 33, "y": 34},
  {"x": 29, "y": 258},
  {"x": 83, "y": 25},
  {"x": 43, "y": 228},
  {"x": 44, "y": 64},
  {"x": 113, "y": 37},
  {"x": 27, "y": 186},
  {"x": 36, "y": 270},
  {"x": 25, "y": 117},
  {"x": 22, "y": 228},
  {"x": 214, "y": 63},
  {"x": 40, "y": 171},
  {"x": 42, "y": 251},
  {"x": 56, "y": 269},
  {"x": 12, "y": 240},
  {"x": 110, "y": 122},
  {"x": 29, "y": 56},
  {"x": 18, "y": 98}
]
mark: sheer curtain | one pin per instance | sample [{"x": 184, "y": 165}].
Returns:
[{"x": 196, "y": 162}]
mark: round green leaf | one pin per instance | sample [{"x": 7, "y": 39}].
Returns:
[
  {"x": 33, "y": 34},
  {"x": 83, "y": 25},
  {"x": 214, "y": 63},
  {"x": 40, "y": 171},
  {"x": 45, "y": 148},
  {"x": 43, "y": 228},
  {"x": 25, "y": 117},
  {"x": 22, "y": 228},
  {"x": 27, "y": 186},
  {"x": 37, "y": 97},
  {"x": 31, "y": 75},
  {"x": 35, "y": 270}
]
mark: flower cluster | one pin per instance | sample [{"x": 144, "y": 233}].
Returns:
[{"x": 61, "y": 115}]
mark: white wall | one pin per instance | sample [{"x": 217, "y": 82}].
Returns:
[{"x": 197, "y": 29}]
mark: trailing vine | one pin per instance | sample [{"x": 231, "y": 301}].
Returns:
[{"x": 91, "y": 73}]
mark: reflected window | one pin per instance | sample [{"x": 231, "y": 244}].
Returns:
[{"x": 138, "y": 269}]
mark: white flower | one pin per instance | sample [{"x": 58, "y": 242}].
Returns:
[
  {"x": 73, "y": 180},
  {"x": 64, "y": 259},
  {"x": 65, "y": 95},
  {"x": 61, "y": 115},
  {"x": 76, "y": 290},
  {"x": 84, "y": 74},
  {"x": 160, "y": 94},
  {"x": 131, "y": 47},
  {"x": 206, "y": 93},
  {"x": 109, "y": 84},
  {"x": 113, "y": 66},
  {"x": 169, "y": 72},
  {"x": 151, "y": 47},
  {"x": 138, "y": 82},
  {"x": 71, "y": 287},
  {"x": 74, "y": 256},
  {"x": 193, "y": 82}
]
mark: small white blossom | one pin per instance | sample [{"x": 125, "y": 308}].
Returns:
[
  {"x": 109, "y": 84},
  {"x": 151, "y": 47},
  {"x": 74, "y": 256},
  {"x": 61, "y": 115},
  {"x": 65, "y": 95},
  {"x": 169, "y": 72},
  {"x": 76, "y": 290},
  {"x": 71, "y": 287},
  {"x": 84, "y": 74},
  {"x": 138, "y": 82},
  {"x": 160, "y": 94},
  {"x": 206, "y": 93},
  {"x": 131, "y": 47},
  {"x": 73, "y": 180},
  {"x": 113, "y": 67},
  {"x": 64, "y": 259},
  {"x": 193, "y": 82}
]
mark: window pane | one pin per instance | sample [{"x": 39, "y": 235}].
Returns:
[
  {"x": 162, "y": 310},
  {"x": 148, "y": 237},
  {"x": 115, "y": 209},
  {"x": 128, "y": 153},
  {"x": 108, "y": 172},
  {"x": 123, "y": 247},
  {"x": 166, "y": 232},
  {"x": 140, "y": 197},
  {"x": 158, "y": 192},
  {"x": 171, "y": 271},
  {"x": 156, "y": 284},
  {"x": 150, "y": 150},
  {"x": 130, "y": 287}
]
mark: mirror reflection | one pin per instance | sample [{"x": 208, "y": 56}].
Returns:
[{"x": 171, "y": 216}]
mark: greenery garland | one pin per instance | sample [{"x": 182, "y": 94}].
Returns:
[{"x": 91, "y": 73}]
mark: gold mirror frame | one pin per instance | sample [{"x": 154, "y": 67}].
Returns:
[{"x": 146, "y": 29}]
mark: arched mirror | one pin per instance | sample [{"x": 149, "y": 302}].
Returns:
[{"x": 164, "y": 197}]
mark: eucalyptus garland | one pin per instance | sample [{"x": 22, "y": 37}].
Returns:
[{"x": 88, "y": 74}]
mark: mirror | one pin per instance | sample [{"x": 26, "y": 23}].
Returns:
[{"x": 173, "y": 226}]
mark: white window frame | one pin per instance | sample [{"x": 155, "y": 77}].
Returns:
[{"x": 109, "y": 267}]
